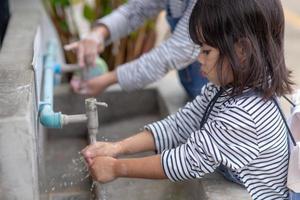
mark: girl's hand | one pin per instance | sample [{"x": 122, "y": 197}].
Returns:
[
  {"x": 103, "y": 169},
  {"x": 111, "y": 149}
]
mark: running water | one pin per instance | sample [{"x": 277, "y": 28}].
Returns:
[
  {"x": 80, "y": 173},
  {"x": 100, "y": 189}
]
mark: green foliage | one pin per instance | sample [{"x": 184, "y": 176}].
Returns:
[
  {"x": 64, "y": 25},
  {"x": 89, "y": 13},
  {"x": 61, "y": 3},
  {"x": 106, "y": 7},
  {"x": 130, "y": 47}
]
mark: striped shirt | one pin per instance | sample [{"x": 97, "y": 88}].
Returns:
[
  {"x": 244, "y": 133},
  {"x": 176, "y": 52}
]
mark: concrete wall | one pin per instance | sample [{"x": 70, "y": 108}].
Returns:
[{"x": 21, "y": 136}]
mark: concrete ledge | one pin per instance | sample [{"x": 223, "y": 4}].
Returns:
[
  {"x": 18, "y": 112},
  {"x": 18, "y": 158},
  {"x": 215, "y": 187},
  {"x": 17, "y": 47},
  {"x": 16, "y": 93}
]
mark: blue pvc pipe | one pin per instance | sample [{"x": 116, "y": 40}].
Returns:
[{"x": 48, "y": 117}]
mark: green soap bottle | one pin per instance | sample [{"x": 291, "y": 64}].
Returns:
[{"x": 93, "y": 71}]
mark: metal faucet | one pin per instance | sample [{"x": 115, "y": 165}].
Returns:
[
  {"x": 92, "y": 117},
  {"x": 93, "y": 124}
]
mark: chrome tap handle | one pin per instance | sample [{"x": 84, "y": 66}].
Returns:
[{"x": 103, "y": 104}]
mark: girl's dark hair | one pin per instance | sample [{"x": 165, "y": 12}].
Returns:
[{"x": 257, "y": 26}]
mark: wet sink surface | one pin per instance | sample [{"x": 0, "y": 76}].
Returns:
[{"x": 126, "y": 115}]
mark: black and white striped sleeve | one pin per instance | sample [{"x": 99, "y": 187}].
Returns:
[
  {"x": 176, "y": 129},
  {"x": 230, "y": 139}
]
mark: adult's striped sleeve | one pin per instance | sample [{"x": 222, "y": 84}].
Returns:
[
  {"x": 129, "y": 16},
  {"x": 176, "y": 52}
]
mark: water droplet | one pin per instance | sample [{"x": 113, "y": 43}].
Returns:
[
  {"x": 103, "y": 193},
  {"x": 86, "y": 176},
  {"x": 93, "y": 185}
]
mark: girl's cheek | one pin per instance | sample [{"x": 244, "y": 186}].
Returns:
[{"x": 201, "y": 58}]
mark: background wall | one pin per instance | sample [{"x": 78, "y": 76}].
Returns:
[{"x": 21, "y": 136}]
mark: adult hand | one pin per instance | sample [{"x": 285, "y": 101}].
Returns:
[
  {"x": 94, "y": 86},
  {"x": 101, "y": 149},
  {"x": 89, "y": 46},
  {"x": 103, "y": 169}
]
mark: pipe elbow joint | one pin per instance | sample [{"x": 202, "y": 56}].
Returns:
[{"x": 50, "y": 119}]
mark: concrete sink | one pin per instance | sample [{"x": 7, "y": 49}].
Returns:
[{"x": 127, "y": 114}]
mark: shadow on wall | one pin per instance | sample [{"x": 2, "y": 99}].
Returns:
[{"x": 4, "y": 17}]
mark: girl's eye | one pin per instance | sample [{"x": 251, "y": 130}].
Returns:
[{"x": 206, "y": 52}]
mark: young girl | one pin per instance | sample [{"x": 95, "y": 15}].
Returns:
[{"x": 234, "y": 123}]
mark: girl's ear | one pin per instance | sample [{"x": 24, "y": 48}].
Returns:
[{"x": 241, "y": 49}]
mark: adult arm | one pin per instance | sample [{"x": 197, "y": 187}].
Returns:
[
  {"x": 175, "y": 53},
  {"x": 130, "y": 16},
  {"x": 119, "y": 23}
]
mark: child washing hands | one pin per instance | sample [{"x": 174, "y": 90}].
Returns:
[{"x": 234, "y": 122}]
